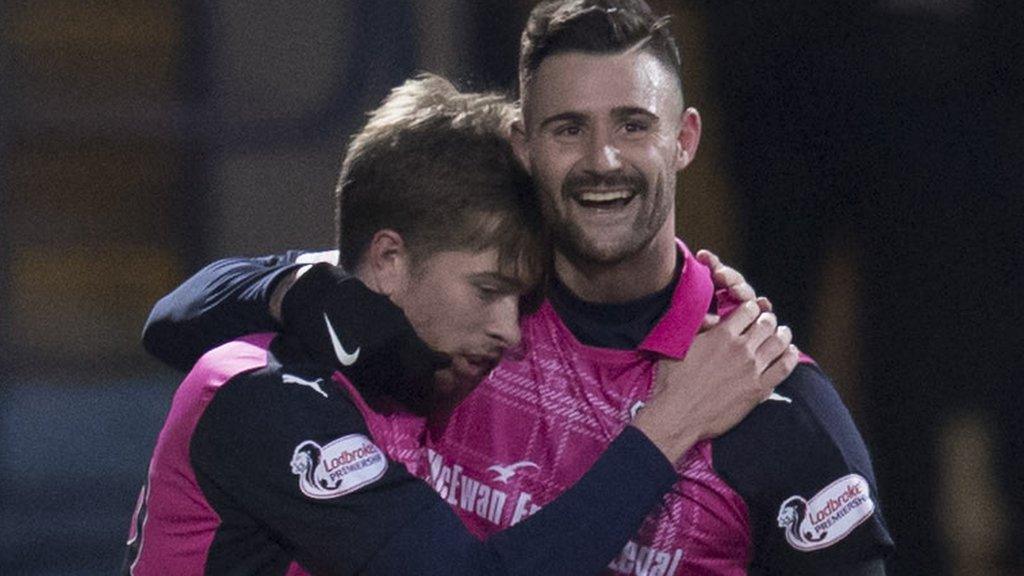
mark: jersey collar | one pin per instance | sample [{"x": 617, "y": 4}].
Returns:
[{"x": 674, "y": 333}]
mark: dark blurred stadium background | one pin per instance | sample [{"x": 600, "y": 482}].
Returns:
[{"x": 863, "y": 164}]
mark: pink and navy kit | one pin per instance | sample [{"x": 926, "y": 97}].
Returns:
[
  {"x": 790, "y": 490},
  {"x": 270, "y": 463}
]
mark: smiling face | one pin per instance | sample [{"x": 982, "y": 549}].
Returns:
[{"x": 604, "y": 137}]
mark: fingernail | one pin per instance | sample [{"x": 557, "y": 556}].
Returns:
[{"x": 750, "y": 306}]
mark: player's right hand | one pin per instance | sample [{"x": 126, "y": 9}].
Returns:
[{"x": 728, "y": 370}]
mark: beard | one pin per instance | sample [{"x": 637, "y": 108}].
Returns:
[{"x": 581, "y": 243}]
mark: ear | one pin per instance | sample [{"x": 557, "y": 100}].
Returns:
[
  {"x": 519, "y": 144},
  {"x": 387, "y": 262},
  {"x": 688, "y": 138}
]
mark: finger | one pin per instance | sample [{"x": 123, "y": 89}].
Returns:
[
  {"x": 708, "y": 258},
  {"x": 760, "y": 330},
  {"x": 741, "y": 318},
  {"x": 780, "y": 369},
  {"x": 742, "y": 291},
  {"x": 773, "y": 347},
  {"x": 726, "y": 276},
  {"x": 764, "y": 303}
]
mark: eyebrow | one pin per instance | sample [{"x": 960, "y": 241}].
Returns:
[
  {"x": 563, "y": 117},
  {"x": 619, "y": 113}
]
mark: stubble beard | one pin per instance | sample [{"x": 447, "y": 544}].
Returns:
[{"x": 573, "y": 242}]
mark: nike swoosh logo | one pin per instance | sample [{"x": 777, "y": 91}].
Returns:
[
  {"x": 344, "y": 357},
  {"x": 780, "y": 398}
]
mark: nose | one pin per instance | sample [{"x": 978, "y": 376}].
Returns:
[
  {"x": 603, "y": 154},
  {"x": 504, "y": 324}
]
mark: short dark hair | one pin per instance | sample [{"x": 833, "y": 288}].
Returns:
[
  {"x": 594, "y": 26},
  {"x": 436, "y": 166}
]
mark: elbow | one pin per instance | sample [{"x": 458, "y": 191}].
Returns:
[{"x": 158, "y": 336}]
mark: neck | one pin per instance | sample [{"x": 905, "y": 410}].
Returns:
[
  {"x": 367, "y": 277},
  {"x": 639, "y": 275}
]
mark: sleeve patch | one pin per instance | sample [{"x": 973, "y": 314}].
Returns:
[
  {"x": 829, "y": 516},
  {"x": 338, "y": 467}
]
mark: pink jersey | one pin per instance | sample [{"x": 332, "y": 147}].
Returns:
[
  {"x": 174, "y": 517},
  {"x": 547, "y": 412},
  {"x": 787, "y": 490}
]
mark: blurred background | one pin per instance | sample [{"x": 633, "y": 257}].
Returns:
[{"x": 862, "y": 164}]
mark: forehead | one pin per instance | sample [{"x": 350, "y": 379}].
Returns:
[
  {"x": 484, "y": 265},
  {"x": 596, "y": 83}
]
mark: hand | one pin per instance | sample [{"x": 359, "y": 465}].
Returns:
[
  {"x": 728, "y": 370},
  {"x": 731, "y": 288}
]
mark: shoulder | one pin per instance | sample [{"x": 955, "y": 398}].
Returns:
[
  {"x": 804, "y": 422},
  {"x": 278, "y": 413},
  {"x": 232, "y": 358},
  {"x": 803, "y": 469},
  {"x": 268, "y": 382}
]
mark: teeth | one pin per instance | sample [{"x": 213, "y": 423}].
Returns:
[{"x": 604, "y": 196}]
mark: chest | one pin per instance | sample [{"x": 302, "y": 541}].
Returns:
[{"x": 540, "y": 421}]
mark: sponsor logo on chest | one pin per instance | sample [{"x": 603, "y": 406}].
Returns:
[
  {"x": 497, "y": 501},
  {"x": 487, "y": 499},
  {"x": 829, "y": 516},
  {"x": 639, "y": 560}
]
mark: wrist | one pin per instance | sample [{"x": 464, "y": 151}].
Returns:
[{"x": 671, "y": 436}]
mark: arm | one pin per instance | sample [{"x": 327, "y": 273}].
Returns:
[
  {"x": 806, "y": 476},
  {"x": 870, "y": 568},
  {"x": 226, "y": 299},
  {"x": 237, "y": 296},
  {"x": 252, "y": 442}
]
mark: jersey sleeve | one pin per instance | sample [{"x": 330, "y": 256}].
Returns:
[
  {"x": 225, "y": 300},
  {"x": 804, "y": 471},
  {"x": 304, "y": 467}
]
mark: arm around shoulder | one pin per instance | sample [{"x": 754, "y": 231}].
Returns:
[{"x": 224, "y": 300}]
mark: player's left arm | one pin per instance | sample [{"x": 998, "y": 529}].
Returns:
[
  {"x": 870, "y": 568},
  {"x": 803, "y": 469},
  {"x": 222, "y": 301}
]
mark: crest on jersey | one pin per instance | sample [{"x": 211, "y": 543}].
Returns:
[
  {"x": 337, "y": 468},
  {"x": 829, "y": 516}
]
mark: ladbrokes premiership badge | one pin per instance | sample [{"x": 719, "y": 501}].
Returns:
[
  {"x": 829, "y": 516},
  {"x": 337, "y": 468}
]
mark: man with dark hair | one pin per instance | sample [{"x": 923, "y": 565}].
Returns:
[
  {"x": 604, "y": 131},
  {"x": 277, "y": 455}
]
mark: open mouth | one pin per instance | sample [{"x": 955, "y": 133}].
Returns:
[{"x": 607, "y": 199}]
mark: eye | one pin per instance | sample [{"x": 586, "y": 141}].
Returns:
[
  {"x": 488, "y": 292},
  {"x": 568, "y": 131},
  {"x": 636, "y": 127}
]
